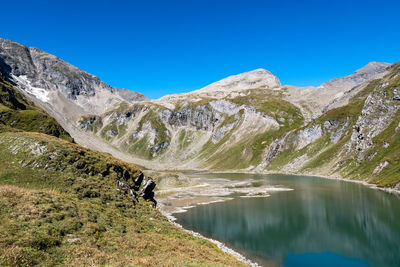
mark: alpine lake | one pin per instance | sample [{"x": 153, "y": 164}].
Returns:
[{"x": 321, "y": 222}]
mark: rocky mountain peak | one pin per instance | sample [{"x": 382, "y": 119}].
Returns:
[
  {"x": 259, "y": 78},
  {"x": 359, "y": 76},
  {"x": 47, "y": 78}
]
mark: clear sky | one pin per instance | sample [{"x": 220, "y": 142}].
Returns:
[{"x": 164, "y": 47}]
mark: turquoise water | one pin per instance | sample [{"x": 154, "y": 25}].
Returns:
[{"x": 320, "y": 223}]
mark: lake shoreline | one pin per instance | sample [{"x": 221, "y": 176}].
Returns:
[
  {"x": 224, "y": 247},
  {"x": 339, "y": 178},
  {"x": 219, "y": 244},
  {"x": 331, "y": 177}
]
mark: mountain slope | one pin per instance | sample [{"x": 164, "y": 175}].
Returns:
[
  {"x": 358, "y": 140},
  {"x": 18, "y": 113},
  {"x": 244, "y": 122},
  {"x": 62, "y": 90},
  {"x": 223, "y": 126},
  {"x": 62, "y": 204}
]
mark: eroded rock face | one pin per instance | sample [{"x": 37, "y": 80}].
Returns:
[
  {"x": 308, "y": 135},
  {"x": 42, "y": 75},
  {"x": 147, "y": 191},
  {"x": 381, "y": 166},
  {"x": 131, "y": 187},
  {"x": 360, "y": 76},
  {"x": 220, "y": 132},
  {"x": 87, "y": 124},
  {"x": 378, "y": 111},
  {"x": 273, "y": 151},
  {"x": 199, "y": 118},
  {"x": 160, "y": 146},
  {"x": 138, "y": 181},
  {"x": 224, "y": 106},
  {"x": 336, "y": 129}
]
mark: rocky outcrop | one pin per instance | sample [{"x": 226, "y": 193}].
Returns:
[
  {"x": 308, "y": 135},
  {"x": 380, "y": 167},
  {"x": 259, "y": 78},
  {"x": 379, "y": 110},
  {"x": 336, "y": 129},
  {"x": 362, "y": 75},
  {"x": 221, "y": 131},
  {"x": 44, "y": 76},
  {"x": 88, "y": 123},
  {"x": 147, "y": 191},
  {"x": 130, "y": 185},
  {"x": 199, "y": 118}
]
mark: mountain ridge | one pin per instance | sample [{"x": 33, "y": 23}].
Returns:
[
  {"x": 63, "y": 204},
  {"x": 248, "y": 122}
]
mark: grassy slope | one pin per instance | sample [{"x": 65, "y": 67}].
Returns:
[
  {"x": 20, "y": 114},
  {"x": 323, "y": 154},
  {"x": 241, "y": 155},
  {"x": 60, "y": 205},
  {"x": 327, "y": 153},
  {"x": 249, "y": 152},
  {"x": 390, "y": 175},
  {"x": 56, "y": 195}
]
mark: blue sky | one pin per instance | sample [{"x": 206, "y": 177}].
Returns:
[{"x": 164, "y": 47}]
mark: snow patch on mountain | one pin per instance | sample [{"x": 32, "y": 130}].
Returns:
[{"x": 39, "y": 93}]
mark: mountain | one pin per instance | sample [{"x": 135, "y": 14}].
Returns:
[
  {"x": 62, "y": 204},
  {"x": 53, "y": 80},
  {"x": 357, "y": 139},
  {"x": 362, "y": 75},
  {"x": 19, "y": 114},
  {"x": 346, "y": 127}
]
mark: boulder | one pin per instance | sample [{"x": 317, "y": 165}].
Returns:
[
  {"x": 138, "y": 181},
  {"x": 147, "y": 191}
]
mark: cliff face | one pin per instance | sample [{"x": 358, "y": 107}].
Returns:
[
  {"x": 346, "y": 126},
  {"x": 17, "y": 113},
  {"x": 53, "y": 80}
]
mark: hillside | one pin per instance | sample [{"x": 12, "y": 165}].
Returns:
[
  {"x": 19, "y": 114},
  {"x": 345, "y": 127},
  {"x": 62, "y": 204},
  {"x": 359, "y": 140},
  {"x": 353, "y": 135}
]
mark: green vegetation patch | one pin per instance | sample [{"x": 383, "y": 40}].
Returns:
[
  {"x": 19, "y": 113},
  {"x": 61, "y": 206}
]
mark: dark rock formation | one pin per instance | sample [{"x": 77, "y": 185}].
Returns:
[
  {"x": 160, "y": 146},
  {"x": 127, "y": 188},
  {"x": 147, "y": 191},
  {"x": 138, "y": 181}
]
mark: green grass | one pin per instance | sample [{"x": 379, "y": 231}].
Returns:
[
  {"x": 155, "y": 121},
  {"x": 60, "y": 203},
  {"x": 348, "y": 165},
  {"x": 120, "y": 130},
  {"x": 185, "y": 138},
  {"x": 60, "y": 206},
  {"x": 249, "y": 152},
  {"x": 20, "y": 114},
  {"x": 271, "y": 103},
  {"x": 140, "y": 148}
]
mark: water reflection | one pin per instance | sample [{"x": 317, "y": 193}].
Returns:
[{"x": 318, "y": 216}]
